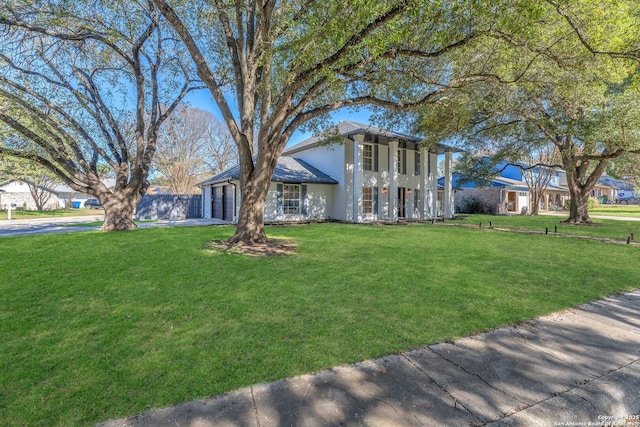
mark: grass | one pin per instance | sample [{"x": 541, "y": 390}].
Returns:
[
  {"x": 99, "y": 223},
  {"x": 616, "y": 210},
  {"x": 602, "y": 228},
  {"x": 102, "y": 325},
  {"x": 58, "y": 213}
]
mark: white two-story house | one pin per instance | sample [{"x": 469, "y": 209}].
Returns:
[{"x": 357, "y": 173}]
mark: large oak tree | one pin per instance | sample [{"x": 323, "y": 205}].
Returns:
[
  {"x": 87, "y": 85},
  {"x": 584, "y": 104},
  {"x": 273, "y": 66}
]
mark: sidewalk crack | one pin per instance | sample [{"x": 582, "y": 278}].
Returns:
[
  {"x": 570, "y": 390},
  {"x": 589, "y": 402},
  {"x": 456, "y": 402},
  {"x": 477, "y": 376},
  {"x": 255, "y": 408}
]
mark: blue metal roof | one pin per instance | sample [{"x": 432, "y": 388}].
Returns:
[{"x": 288, "y": 169}]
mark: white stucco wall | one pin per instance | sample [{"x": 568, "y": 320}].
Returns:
[
  {"x": 318, "y": 200},
  {"x": 382, "y": 179},
  {"x": 331, "y": 161}
]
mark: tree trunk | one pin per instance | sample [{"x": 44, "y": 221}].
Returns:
[
  {"x": 250, "y": 228},
  {"x": 118, "y": 212},
  {"x": 579, "y": 208},
  {"x": 535, "y": 203}
]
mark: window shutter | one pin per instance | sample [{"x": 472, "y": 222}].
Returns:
[
  {"x": 303, "y": 199},
  {"x": 375, "y": 158},
  {"x": 375, "y": 200},
  {"x": 279, "y": 202},
  {"x": 416, "y": 163},
  {"x": 404, "y": 162}
]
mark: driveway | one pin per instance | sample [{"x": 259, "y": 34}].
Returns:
[{"x": 21, "y": 227}]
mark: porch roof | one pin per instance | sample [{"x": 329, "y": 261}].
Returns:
[
  {"x": 288, "y": 170},
  {"x": 515, "y": 185}
]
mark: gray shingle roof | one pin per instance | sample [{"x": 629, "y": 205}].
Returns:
[
  {"x": 346, "y": 128},
  {"x": 288, "y": 169}
]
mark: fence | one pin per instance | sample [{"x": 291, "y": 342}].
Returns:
[{"x": 170, "y": 206}]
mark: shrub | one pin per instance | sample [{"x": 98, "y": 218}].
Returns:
[
  {"x": 591, "y": 203},
  {"x": 472, "y": 205}
]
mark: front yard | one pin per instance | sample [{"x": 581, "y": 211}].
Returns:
[
  {"x": 102, "y": 325},
  {"x": 58, "y": 213},
  {"x": 616, "y": 210},
  {"x": 602, "y": 228}
]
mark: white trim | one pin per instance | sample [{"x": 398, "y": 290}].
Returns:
[
  {"x": 357, "y": 176},
  {"x": 393, "y": 185},
  {"x": 433, "y": 185}
]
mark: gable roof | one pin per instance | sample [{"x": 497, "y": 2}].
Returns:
[
  {"x": 347, "y": 128},
  {"x": 288, "y": 170},
  {"x": 508, "y": 183},
  {"x": 608, "y": 181}
]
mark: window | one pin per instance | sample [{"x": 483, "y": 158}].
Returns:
[
  {"x": 367, "y": 200},
  {"x": 367, "y": 157},
  {"x": 291, "y": 199},
  {"x": 402, "y": 161},
  {"x": 416, "y": 169}
]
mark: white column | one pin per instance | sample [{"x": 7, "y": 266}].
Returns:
[
  {"x": 433, "y": 185},
  {"x": 206, "y": 202},
  {"x": 447, "y": 198},
  {"x": 393, "y": 184},
  {"x": 357, "y": 176},
  {"x": 423, "y": 203}
]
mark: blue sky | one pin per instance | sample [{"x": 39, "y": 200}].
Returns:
[{"x": 202, "y": 100}]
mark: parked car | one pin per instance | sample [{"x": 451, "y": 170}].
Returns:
[
  {"x": 92, "y": 204},
  {"x": 633, "y": 200}
]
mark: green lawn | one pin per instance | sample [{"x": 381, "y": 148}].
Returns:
[
  {"x": 15, "y": 214},
  {"x": 602, "y": 228},
  {"x": 616, "y": 210},
  {"x": 101, "y": 325}
]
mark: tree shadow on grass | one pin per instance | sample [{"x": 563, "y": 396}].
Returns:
[{"x": 573, "y": 366}]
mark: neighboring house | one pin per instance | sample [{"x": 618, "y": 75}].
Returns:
[
  {"x": 16, "y": 192},
  {"x": 508, "y": 192},
  {"x": 71, "y": 198},
  {"x": 358, "y": 173},
  {"x": 609, "y": 189}
]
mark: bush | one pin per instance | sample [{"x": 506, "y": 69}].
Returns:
[
  {"x": 591, "y": 203},
  {"x": 472, "y": 205}
]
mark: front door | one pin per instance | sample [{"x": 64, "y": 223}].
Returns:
[
  {"x": 512, "y": 199},
  {"x": 401, "y": 199}
]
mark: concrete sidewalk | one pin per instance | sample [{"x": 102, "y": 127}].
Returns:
[{"x": 575, "y": 367}]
